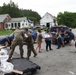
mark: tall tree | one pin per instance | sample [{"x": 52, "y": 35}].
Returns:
[
  {"x": 32, "y": 15},
  {"x": 0, "y": 9},
  {"x": 12, "y": 9},
  {"x": 67, "y": 18}
]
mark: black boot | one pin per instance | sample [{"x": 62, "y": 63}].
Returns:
[
  {"x": 22, "y": 57},
  {"x": 51, "y": 49},
  {"x": 8, "y": 60},
  {"x": 58, "y": 48},
  {"x": 27, "y": 58},
  {"x": 35, "y": 55},
  {"x": 47, "y": 49}
]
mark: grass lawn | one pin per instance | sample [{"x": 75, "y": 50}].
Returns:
[
  {"x": 8, "y": 32},
  {"x": 5, "y": 32}
]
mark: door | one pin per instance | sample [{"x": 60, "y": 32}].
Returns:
[{"x": 48, "y": 25}]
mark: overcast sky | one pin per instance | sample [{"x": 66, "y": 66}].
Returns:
[{"x": 42, "y": 6}]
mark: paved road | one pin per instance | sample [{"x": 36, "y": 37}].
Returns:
[{"x": 57, "y": 62}]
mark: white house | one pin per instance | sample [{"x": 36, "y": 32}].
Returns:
[
  {"x": 48, "y": 20},
  {"x": 21, "y": 22}
]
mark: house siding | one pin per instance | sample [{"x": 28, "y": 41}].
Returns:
[
  {"x": 6, "y": 22},
  {"x": 47, "y": 20},
  {"x": 22, "y": 24},
  {"x": 1, "y": 25}
]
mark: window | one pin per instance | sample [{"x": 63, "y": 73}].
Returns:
[
  {"x": 19, "y": 24},
  {"x": 9, "y": 25},
  {"x": 15, "y": 24},
  {"x": 12, "y": 25},
  {"x": 6, "y": 25}
]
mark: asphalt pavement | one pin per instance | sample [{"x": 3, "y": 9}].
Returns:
[{"x": 56, "y": 62}]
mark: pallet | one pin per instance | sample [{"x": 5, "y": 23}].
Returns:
[{"x": 25, "y": 66}]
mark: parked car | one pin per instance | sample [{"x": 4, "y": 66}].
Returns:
[
  {"x": 3, "y": 39},
  {"x": 33, "y": 33},
  {"x": 54, "y": 34},
  {"x": 39, "y": 27}
]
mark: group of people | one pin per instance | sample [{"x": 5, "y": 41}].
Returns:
[
  {"x": 20, "y": 37},
  {"x": 47, "y": 37},
  {"x": 64, "y": 35},
  {"x": 61, "y": 37}
]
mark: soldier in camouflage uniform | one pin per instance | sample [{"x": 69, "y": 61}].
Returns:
[
  {"x": 29, "y": 43},
  {"x": 18, "y": 40}
]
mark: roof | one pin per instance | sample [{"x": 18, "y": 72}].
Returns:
[
  {"x": 17, "y": 19},
  {"x": 50, "y": 15},
  {"x": 2, "y": 17},
  {"x": 30, "y": 21}
]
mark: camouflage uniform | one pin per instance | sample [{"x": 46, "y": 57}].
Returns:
[
  {"x": 18, "y": 40},
  {"x": 30, "y": 47}
]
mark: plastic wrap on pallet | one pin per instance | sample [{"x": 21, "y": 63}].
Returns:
[
  {"x": 4, "y": 65},
  {"x": 3, "y": 52}
]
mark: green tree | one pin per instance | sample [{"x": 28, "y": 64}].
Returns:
[
  {"x": 67, "y": 18},
  {"x": 11, "y": 9},
  {"x": 32, "y": 15},
  {"x": 0, "y": 9}
]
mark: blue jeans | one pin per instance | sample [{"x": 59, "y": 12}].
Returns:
[
  {"x": 48, "y": 44},
  {"x": 59, "y": 42}
]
